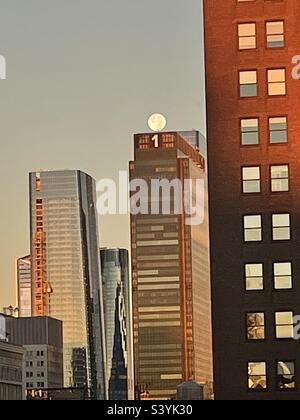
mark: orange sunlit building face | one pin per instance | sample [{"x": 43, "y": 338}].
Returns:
[
  {"x": 253, "y": 115},
  {"x": 170, "y": 271}
]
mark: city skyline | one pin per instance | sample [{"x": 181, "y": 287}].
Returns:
[
  {"x": 149, "y": 182},
  {"x": 101, "y": 110}
]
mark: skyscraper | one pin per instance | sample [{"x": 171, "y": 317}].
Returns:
[
  {"x": 117, "y": 315},
  {"x": 65, "y": 271},
  {"x": 170, "y": 268},
  {"x": 24, "y": 286},
  {"x": 253, "y": 120}
]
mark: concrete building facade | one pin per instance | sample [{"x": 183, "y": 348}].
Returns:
[{"x": 42, "y": 340}]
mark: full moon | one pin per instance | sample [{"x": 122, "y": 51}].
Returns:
[{"x": 157, "y": 122}]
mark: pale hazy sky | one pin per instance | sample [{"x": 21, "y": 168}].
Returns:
[{"x": 83, "y": 76}]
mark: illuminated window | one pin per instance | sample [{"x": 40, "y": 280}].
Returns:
[
  {"x": 38, "y": 182},
  {"x": 253, "y": 228},
  {"x": 254, "y": 276},
  {"x": 279, "y": 178},
  {"x": 251, "y": 179},
  {"x": 282, "y": 275},
  {"x": 286, "y": 375},
  {"x": 249, "y": 131},
  {"x": 144, "y": 142},
  {"x": 275, "y": 34},
  {"x": 276, "y": 82},
  {"x": 257, "y": 375},
  {"x": 256, "y": 326},
  {"x": 284, "y": 322},
  {"x": 247, "y": 36},
  {"x": 281, "y": 227},
  {"x": 248, "y": 83},
  {"x": 278, "y": 129}
]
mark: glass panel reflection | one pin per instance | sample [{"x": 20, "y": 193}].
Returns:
[
  {"x": 257, "y": 375},
  {"x": 256, "y": 326},
  {"x": 286, "y": 375}
]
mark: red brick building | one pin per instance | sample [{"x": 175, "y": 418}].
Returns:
[{"x": 253, "y": 115}]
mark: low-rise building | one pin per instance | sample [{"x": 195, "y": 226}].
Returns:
[
  {"x": 42, "y": 340},
  {"x": 11, "y": 357}
]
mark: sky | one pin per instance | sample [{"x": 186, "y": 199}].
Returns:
[{"x": 82, "y": 77}]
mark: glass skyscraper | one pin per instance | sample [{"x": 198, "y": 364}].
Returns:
[
  {"x": 117, "y": 314},
  {"x": 24, "y": 286},
  {"x": 66, "y": 273},
  {"x": 170, "y": 271}
]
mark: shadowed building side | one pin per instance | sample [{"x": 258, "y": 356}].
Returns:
[{"x": 253, "y": 130}]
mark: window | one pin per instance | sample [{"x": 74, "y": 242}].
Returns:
[
  {"x": 284, "y": 322},
  {"x": 256, "y": 326},
  {"x": 144, "y": 142},
  {"x": 252, "y": 228},
  {"x": 278, "y": 129},
  {"x": 251, "y": 179},
  {"x": 283, "y": 275},
  {"x": 247, "y": 36},
  {"x": 248, "y": 83},
  {"x": 279, "y": 178},
  {"x": 281, "y": 229},
  {"x": 257, "y": 375},
  {"x": 168, "y": 141},
  {"x": 249, "y": 131},
  {"x": 286, "y": 375},
  {"x": 254, "y": 276},
  {"x": 275, "y": 34},
  {"x": 276, "y": 82}
]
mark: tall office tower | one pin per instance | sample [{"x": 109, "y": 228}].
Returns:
[
  {"x": 253, "y": 120},
  {"x": 42, "y": 340},
  {"x": 117, "y": 315},
  {"x": 66, "y": 273},
  {"x": 170, "y": 268},
  {"x": 24, "y": 286}
]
